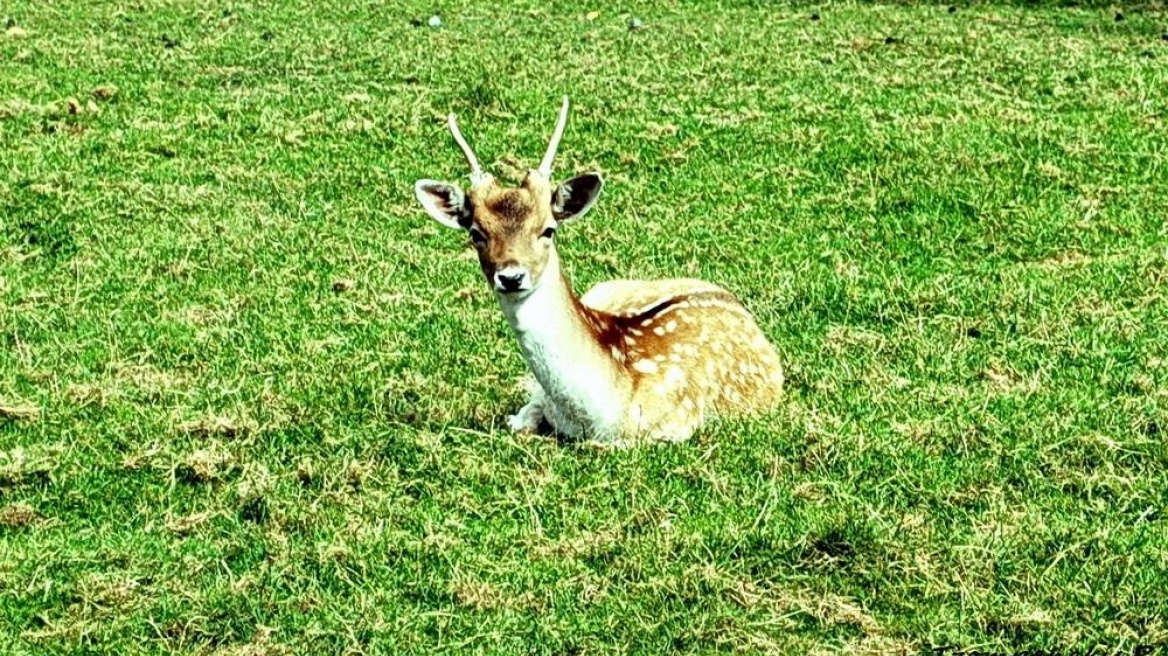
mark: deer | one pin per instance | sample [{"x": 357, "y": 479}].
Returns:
[{"x": 630, "y": 361}]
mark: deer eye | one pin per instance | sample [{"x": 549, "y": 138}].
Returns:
[
  {"x": 477, "y": 236},
  {"x": 547, "y": 233}
]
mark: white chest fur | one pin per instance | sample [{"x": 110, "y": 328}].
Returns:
[{"x": 583, "y": 395}]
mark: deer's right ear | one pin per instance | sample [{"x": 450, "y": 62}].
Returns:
[{"x": 444, "y": 201}]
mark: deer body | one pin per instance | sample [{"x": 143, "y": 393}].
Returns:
[{"x": 628, "y": 361}]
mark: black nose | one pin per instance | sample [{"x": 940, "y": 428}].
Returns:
[{"x": 511, "y": 281}]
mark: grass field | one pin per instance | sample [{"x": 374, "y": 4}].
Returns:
[{"x": 252, "y": 399}]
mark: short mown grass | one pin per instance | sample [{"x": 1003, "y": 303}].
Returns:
[{"x": 251, "y": 398}]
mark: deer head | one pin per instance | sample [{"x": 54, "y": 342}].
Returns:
[{"x": 512, "y": 228}]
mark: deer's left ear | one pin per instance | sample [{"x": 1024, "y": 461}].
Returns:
[
  {"x": 444, "y": 201},
  {"x": 573, "y": 198}
]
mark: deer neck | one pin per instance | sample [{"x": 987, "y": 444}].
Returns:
[{"x": 559, "y": 339}]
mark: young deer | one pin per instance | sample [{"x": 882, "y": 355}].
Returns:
[{"x": 630, "y": 360}]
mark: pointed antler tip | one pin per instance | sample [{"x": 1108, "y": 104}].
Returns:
[
  {"x": 545, "y": 167},
  {"x": 476, "y": 171}
]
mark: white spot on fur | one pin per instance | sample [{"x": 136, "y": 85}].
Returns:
[{"x": 645, "y": 366}]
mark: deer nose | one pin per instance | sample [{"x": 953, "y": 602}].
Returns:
[{"x": 510, "y": 280}]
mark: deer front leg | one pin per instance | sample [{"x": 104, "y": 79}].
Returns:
[
  {"x": 530, "y": 417},
  {"x": 527, "y": 420}
]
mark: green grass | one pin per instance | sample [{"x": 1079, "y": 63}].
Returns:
[{"x": 953, "y": 225}]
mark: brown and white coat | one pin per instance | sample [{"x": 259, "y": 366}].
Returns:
[{"x": 630, "y": 360}]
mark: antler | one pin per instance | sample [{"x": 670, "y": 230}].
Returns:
[
  {"x": 545, "y": 167},
  {"x": 476, "y": 171}
]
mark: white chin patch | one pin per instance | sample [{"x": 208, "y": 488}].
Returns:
[{"x": 513, "y": 295}]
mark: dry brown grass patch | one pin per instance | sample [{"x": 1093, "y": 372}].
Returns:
[
  {"x": 1005, "y": 380},
  {"x": 875, "y": 645},
  {"x": 126, "y": 382},
  {"x": 19, "y": 411},
  {"x": 483, "y": 596},
  {"x": 185, "y": 525},
  {"x": 1031, "y": 616},
  {"x": 206, "y": 465},
  {"x": 261, "y": 645},
  {"x": 827, "y": 609},
  {"x": 105, "y": 590},
  {"x": 220, "y": 426},
  {"x": 581, "y": 545},
  {"x": 18, "y": 515},
  {"x": 19, "y": 466}
]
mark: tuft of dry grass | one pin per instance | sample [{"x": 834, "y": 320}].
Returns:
[
  {"x": 18, "y": 515},
  {"x": 19, "y": 411},
  {"x": 187, "y": 524},
  {"x": 207, "y": 464},
  {"x": 219, "y": 426}
]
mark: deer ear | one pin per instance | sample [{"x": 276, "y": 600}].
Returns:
[
  {"x": 444, "y": 201},
  {"x": 573, "y": 198}
]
